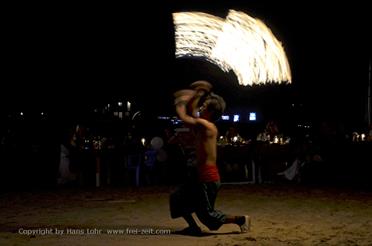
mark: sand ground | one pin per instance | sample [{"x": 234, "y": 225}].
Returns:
[{"x": 281, "y": 215}]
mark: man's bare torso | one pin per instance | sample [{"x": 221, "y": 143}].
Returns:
[{"x": 206, "y": 142}]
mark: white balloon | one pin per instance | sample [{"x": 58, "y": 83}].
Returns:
[{"x": 157, "y": 143}]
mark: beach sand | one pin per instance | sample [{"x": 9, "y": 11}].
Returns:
[{"x": 281, "y": 215}]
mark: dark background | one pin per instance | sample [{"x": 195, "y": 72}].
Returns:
[
  {"x": 64, "y": 59},
  {"x": 69, "y": 60}
]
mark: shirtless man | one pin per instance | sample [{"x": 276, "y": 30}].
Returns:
[{"x": 199, "y": 108}]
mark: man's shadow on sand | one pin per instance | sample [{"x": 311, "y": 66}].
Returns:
[
  {"x": 214, "y": 234},
  {"x": 203, "y": 233}
]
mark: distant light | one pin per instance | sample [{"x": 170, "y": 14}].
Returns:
[
  {"x": 252, "y": 116},
  {"x": 128, "y": 105},
  {"x": 176, "y": 121},
  {"x": 42, "y": 113},
  {"x": 225, "y": 117},
  {"x": 143, "y": 141},
  {"x": 120, "y": 104},
  {"x": 276, "y": 139},
  {"x": 304, "y": 126},
  {"x": 235, "y": 139},
  {"x": 236, "y": 118},
  {"x": 21, "y": 113},
  {"x": 163, "y": 117}
]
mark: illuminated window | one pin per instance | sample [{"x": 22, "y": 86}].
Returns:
[
  {"x": 252, "y": 116},
  {"x": 236, "y": 117},
  {"x": 225, "y": 117}
]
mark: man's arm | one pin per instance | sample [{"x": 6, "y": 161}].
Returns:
[
  {"x": 182, "y": 114},
  {"x": 183, "y": 97}
]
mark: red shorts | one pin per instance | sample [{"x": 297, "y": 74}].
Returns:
[{"x": 208, "y": 173}]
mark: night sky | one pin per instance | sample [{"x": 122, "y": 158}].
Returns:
[{"x": 69, "y": 58}]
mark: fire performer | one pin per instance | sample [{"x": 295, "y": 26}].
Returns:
[{"x": 199, "y": 107}]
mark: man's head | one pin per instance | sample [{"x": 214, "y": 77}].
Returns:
[{"x": 212, "y": 107}]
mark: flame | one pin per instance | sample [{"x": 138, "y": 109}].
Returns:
[{"x": 239, "y": 43}]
